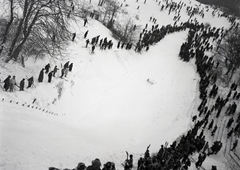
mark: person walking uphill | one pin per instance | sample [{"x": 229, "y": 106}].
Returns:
[
  {"x": 47, "y": 67},
  {"x": 41, "y": 75},
  {"x": 22, "y": 84},
  {"x": 50, "y": 76},
  {"x": 7, "y": 83}
]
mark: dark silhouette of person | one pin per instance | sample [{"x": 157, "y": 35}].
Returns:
[
  {"x": 22, "y": 84},
  {"x": 7, "y": 83},
  {"x": 30, "y": 82},
  {"x": 41, "y": 76}
]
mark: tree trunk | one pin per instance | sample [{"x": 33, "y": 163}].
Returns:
[
  {"x": 15, "y": 39},
  {"x": 18, "y": 49},
  {"x": 5, "y": 35}
]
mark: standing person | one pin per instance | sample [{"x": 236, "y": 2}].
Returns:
[
  {"x": 30, "y": 82},
  {"x": 73, "y": 37},
  {"x": 50, "y": 76},
  {"x": 22, "y": 84},
  {"x": 234, "y": 145},
  {"x": 41, "y": 75},
  {"x": 66, "y": 72},
  {"x": 87, "y": 42},
  {"x": 70, "y": 67},
  {"x": 201, "y": 158},
  {"x": 85, "y": 22},
  {"x": 7, "y": 83},
  {"x": 93, "y": 48},
  {"x": 62, "y": 72},
  {"x": 55, "y": 71},
  {"x": 96, "y": 165},
  {"x": 86, "y": 33},
  {"x": 12, "y": 83},
  {"x": 47, "y": 67},
  {"x": 128, "y": 162},
  {"x": 66, "y": 65}
]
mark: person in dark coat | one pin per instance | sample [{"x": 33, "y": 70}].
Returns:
[
  {"x": 62, "y": 72},
  {"x": 86, "y": 33},
  {"x": 85, "y": 22},
  {"x": 55, "y": 71},
  {"x": 7, "y": 83},
  {"x": 201, "y": 158},
  {"x": 50, "y": 76},
  {"x": 230, "y": 121},
  {"x": 66, "y": 65},
  {"x": 30, "y": 82},
  {"x": 70, "y": 67},
  {"x": 47, "y": 67},
  {"x": 73, "y": 36},
  {"x": 93, "y": 48},
  {"x": 41, "y": 75},
  {"x": 22, "y": 83},
  {"x": 234, "y": 145},
  {"x": 96, "y": 165}
]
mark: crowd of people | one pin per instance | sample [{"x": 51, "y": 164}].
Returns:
[
  {"x": 10, "y": 82},
  {"x": 213, "y": 106}
]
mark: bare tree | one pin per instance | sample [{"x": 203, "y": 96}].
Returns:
[
  {"x": 43, "y": 27},
  {"x": 111, "y": 9},
  {"x": 8, "y": 25}
]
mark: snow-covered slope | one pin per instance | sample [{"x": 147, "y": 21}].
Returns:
[{"x": 107, "y": 106}]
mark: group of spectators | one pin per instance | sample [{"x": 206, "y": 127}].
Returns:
[{"x": 10, "y": 82}]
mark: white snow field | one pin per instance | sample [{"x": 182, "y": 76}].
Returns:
[{"x": 107, "y": 106}]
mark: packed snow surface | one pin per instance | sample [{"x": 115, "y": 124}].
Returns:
[{"x": 106, "y": 107}]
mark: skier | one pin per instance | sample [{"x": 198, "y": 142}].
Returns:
[
  {"x": 22, "y": 83},
  {"x": 41, "y": 75},
  {"x": 7, "y": 83}
]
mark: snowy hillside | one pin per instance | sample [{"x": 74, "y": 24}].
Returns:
[{"x": 106, "y": 105}]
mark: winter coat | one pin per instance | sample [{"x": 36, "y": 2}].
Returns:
[{"x": 41, "y": 75}]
